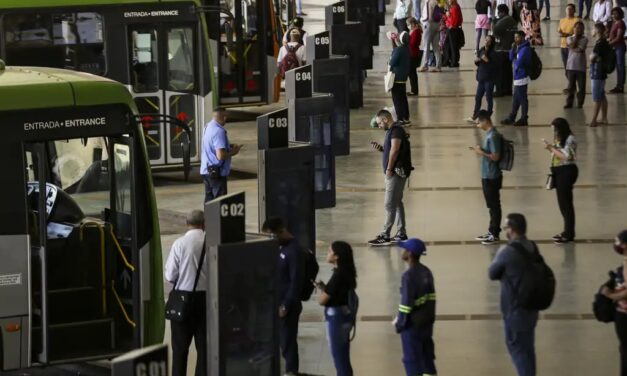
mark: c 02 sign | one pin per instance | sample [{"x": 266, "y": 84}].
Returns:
[{"x": 231, "y": 210}]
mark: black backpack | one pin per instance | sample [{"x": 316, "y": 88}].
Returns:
[
  {"x": 535, "y": 69},
  {"x": 311, "y": 271},
  {"x": 609, "y": 61},
  {"x": 506, "y": 161},
  {"x": 403, "y": 166},
  {"x": 536, "y": 288},
  {"x": 603, "y": 307}
]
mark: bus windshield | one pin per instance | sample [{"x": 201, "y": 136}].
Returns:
[{"x": 70, "y": 40}]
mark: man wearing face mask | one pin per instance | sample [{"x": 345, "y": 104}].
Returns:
[
  {"x": 291, "y": 282},
  {"x": 619, "y": 295},
  {"x": 508, "y": 267}
]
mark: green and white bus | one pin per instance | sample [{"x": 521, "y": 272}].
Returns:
[
  {"x": 178, "y": 58},
  {"x": 80, "y": 266}
]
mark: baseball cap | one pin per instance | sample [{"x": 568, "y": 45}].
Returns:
[{"x": 414, "y": 245}]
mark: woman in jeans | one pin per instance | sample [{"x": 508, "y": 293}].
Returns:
[
  {"x": 334, "y": 298},
  {"x": 619, "y": 295},
  {"x": 564, "y": 169},
  {"x": 486, "y": 71},
  {"x": 617, "y": 41}
]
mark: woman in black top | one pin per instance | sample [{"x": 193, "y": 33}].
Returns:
[
  {"x": 334, "y": 297},
  {"x": 487, "y": 70}
]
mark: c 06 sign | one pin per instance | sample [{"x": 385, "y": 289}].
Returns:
[{"x": 304, "y": 76}]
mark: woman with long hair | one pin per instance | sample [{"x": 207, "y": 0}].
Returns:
[
  {"x": 334, "y": 296},
  {"x": 565, "y": 171},
  {"x": 530, "y": 20},
  {"x": 487, "y": 69}
]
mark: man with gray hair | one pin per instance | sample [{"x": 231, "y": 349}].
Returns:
[{"x": 184, "y": 262}]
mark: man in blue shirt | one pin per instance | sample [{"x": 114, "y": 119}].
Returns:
[
  {"x": 416, "y": 312},
  {"x": 508, "y": 266},
  {"x": 291, "y": 284},
  {"x": 215, "y": 156},
  {"x": 520, "y": 54},
  {"x": 491, "y": 175}
]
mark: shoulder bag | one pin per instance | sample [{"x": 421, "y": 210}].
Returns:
[
  {"x": 389, "y": 80},
  {"x": 179, "y": 305}
]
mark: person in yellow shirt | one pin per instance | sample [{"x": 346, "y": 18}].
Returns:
[{"x": 566, "y": 29}]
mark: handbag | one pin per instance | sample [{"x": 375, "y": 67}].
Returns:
[
  {"x": 550, "y": 182},
  {"x": 389, "y": 80},
  {"x": 179, "y": 305}
]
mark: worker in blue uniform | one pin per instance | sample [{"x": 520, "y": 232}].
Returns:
[{"x": 416, "y": 312}]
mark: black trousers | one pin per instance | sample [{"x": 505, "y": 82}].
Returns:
[
  {"x": 214, "y": 188},
  {"x": 183, "y": 332},
  {"x": 492, "y": 195},
  {"x": 288, "y": 328},
  {"x": 579, "y": 78},
  {"x": 505, "y": 76},
  {"x": 565, "y": 178},
  {"x": 452, "y": 46},
  {"x": 620, "y": 324},
  {"x": 413, "y": 75},
  {"x": 399, "y": 97}
]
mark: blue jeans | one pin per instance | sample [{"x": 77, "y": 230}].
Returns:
[
  {"x": 214, "y": 188},
  {"x": 548, "y": 7},
  {"x": 520, "y": 344},
  {"x": 520, "y": 100},
  {"x": 484, "y": 88},
  {"x": 620, "y": 66},
  {"x": 418, "y": 351},
  {"x": 338, "y": 332}
]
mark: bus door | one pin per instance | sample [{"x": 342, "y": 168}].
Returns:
[
  {"x": 243, "y": 71},
  {"x": 85, "y": 279},
  {"x": 164, "y": 80}
]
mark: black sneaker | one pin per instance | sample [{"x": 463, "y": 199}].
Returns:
[
  {"x": 616, "y": 90},
  {"x": 521, "y": 122},
  {"x": 483, "y": 237},
  {"x": 399, "y": 238},
  {"x": 380, "y": 240},
  {"x": 491, "y": 239},
  {"x": 563, "y": 240},
  {"x": 547, "y": 18},
  {"x": 556, "y": 237},
  {"x": 507, "y": 121}
]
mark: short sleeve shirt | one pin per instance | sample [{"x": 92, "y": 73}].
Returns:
[
  {"x": 213, "y": 139},
  {"x": 618, "y": 28},
  {"x": 567, "y": 26},
  {"x": 569, "y": 150},
  {"x": 394, "y": 132},
  {"x": 492, "y": 145},
  {"x": 337, "y": 288},
  {"x": 577, "y": 60}
]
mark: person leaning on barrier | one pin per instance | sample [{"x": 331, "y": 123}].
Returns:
[{"x": 180, "y": 270}]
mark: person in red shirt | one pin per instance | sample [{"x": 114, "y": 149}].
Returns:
[
  {"x": 415, "y": 36},
  {"x": 454, "y": 33},
  {"x": 617, "y": 41}
]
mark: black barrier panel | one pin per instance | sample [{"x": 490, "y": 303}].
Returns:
[
  {"x": 334, "y": 14},
  {"x": 381, "y": 12},
  {"x": 331, "y": 76},
  {"x": 286, "y": 190},
  {"x": 272, "y": 130},
  {"x": 298, "y": 82},
  {"x": 227, "y": 219},
  {"x": 311, "y": 120},
  {"x": 365, "y": 11},
  {"x": 242, "y": 320},
  {"x": 350, "y": 39},
  {"x": 318, "y": 46}
]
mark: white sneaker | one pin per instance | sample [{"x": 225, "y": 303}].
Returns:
[
  {"x": 483, "y": 237},
  {"x": 491, "y": 239},
  {"x": 471, "y": 120}
]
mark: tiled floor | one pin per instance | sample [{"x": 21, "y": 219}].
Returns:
[{"x": 445, "y": 207}]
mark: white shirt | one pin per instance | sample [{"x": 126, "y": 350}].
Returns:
[
  {"x": 403, "y": 9},
  {"x": 602, "y": 12},
  {"x": 182, "y": 263},
  {"x": 300, "y": 53}
]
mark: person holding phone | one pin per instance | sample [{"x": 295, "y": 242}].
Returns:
[
  {"x": 334, "y": 296},
  {"x": 564, "y": 168},
  {"x": 215, "y": 156}
]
